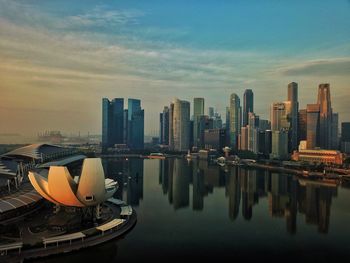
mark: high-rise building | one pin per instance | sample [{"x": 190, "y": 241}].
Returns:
[
  {"x": 264, "y": 125},
  {"x": 313, "y": 126},
  {"x": 324, "y": 100},
  {"x": 136, "y": 124},
  {"x": 112, "y": 122},
  {"x": 264, "y": 142},
  {"x": 161, "y": 131},
  {"x": 253, "y": 132},
  {"x": 302, "y": 125},
  {"x": 171, "y": 126},
  {"x": 217, "y": 121},
  {"x": 345, "y": 137},
  {"x": 203, "y": 123},
  {"x": 335, "y": 131},
  {"x": 235, "y": 120},
  {"x": 210, "y": 112},
  {"x": 248, "y": 105},
  {"x": 227, "y": 126},
  {"x": 244, "y": 139},
  {"x": 279, "y": 115},
  {"x": 164, "y": 126},
  {"x": 214, "y": 139},
  {"x": 181, "y": 125},
  {"x": 126, "y": 126},
  {"x": 198, "y": 110},
  {"x": 293, "y": 98},
  {"x": 279, "y": 145}
]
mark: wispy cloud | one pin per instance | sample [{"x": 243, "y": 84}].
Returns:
[
  {"x": 321, "y": 67},
  {"x": 59, "y": 62}
]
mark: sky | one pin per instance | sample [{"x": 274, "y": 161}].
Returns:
[{"x": 59, "y": 58}]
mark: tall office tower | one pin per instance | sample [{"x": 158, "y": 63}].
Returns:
[
  {"x": 302, "y": 125},
  {"x": 313, "y": 126},
  {"x": 204, "y": 123},
  {"x": 112, "y": 122},
  {"x": 164, "y": 139},
  {"x": 210, "y": 112},
  {"x": 279, "y": 145},
  {"x": 279, "y": 115},
  {"x": 171, "y": 126},
  {"x": 293, "y": 98},
  {"x": 198, "y": 110},
  {"x": 248, "y": 105},
  {"x": 244, "y": 139},
  {"x": 181, "y": 125},
  {"x": 264, "y": 125},
  {"x": 227, "y": 126},
  {"x": 217, "y": 121},
  {"x": 253, "y": 132},
  {"x": 136, "y": 121},
  {"x": 345, "y": 137},
  {"x": 324, "y": 100},
  {"x": 126, "y": 126},
  {"x": 161, "y": 132},
  {"x": 335, "y": 131},
  {"x": 235, "y": 120}
]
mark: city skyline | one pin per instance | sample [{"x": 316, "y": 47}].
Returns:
[{"x": 53, "y": 54}]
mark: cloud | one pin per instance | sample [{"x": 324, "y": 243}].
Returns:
[
  {"x": 101, "y": 16},
  {"x": 321, "y": 67}
]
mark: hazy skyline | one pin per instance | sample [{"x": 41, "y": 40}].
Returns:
[{"x": 58, "y": 59}]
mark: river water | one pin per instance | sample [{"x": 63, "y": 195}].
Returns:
[{"x": 193, "y": 210}]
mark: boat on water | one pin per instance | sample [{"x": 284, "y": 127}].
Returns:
[{"x": 156, "y": 156}]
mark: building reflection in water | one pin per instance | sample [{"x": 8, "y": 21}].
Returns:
[
  {"x": 129, "y": 175},
  {"x": 287, "y": 196}
]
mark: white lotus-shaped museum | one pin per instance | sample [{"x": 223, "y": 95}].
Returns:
[{"x": 89, "y": 189}]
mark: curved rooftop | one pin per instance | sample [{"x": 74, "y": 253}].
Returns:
[
  {"x": 8, "y": 168},
  {"x": 36, "y": 151}
]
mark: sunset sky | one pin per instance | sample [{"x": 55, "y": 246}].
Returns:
[{"x": 58, "y": 59}]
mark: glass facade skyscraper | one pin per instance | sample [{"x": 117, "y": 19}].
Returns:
[
  {"x": 293, "y": 98},
  {"x": 235, "y": 120},
  {"x": 313, "y": 126},
  {"x": 248, "y": 105},
  {"x": 136, "y": 123},
  {"x": 198, "y": 110},
  {"x": 121, "y": 126},
  {"x": 112, "y": 122},
  {"x": 324, "y": 100}
]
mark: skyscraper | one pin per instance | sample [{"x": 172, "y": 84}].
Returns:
[
  {"x": 279, "y": 115},
  {"x": 136, "y": 123},
  {"x": 235, "y": 120},
  {"x": 313, "y": 126},
  {"x": 112, "y": 122},
  {"x": 161, "y": 128},
  {"x": 181, "y": 125},
  {"x": 345, "y": 137},
  {"x": 253, "y": 132},
  {"x": 171, "y": 126},
  {"x": 203, "y": 123},
  {"x": 211, "y": 112},
  {"x": 293, "y": 98},
  {"x": 279, "y": 144},
  {"x": 335, "y": 131},
  {"x": 302, "y": 125},
  {"x": 248, "y": 105},
  {"x": 198, "y": 110},
  {"x": 324, "y": 100},
  {"x": 164, "y": 126}
]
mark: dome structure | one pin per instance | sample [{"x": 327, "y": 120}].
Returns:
[{"x": 89, "y": 189}]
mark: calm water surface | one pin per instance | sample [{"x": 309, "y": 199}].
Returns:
[{"x": 191, "y": 210}]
